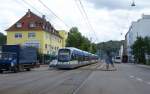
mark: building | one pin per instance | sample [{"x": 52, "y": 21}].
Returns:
[
  {"x": 32, "y": 30},
  {"x": 121, "y": 51},
  {"x": 139, "y": 28},
  {"x": 64, "y": 35}
]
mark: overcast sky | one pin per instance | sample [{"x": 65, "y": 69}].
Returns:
[{"x": 110, "y": 18}]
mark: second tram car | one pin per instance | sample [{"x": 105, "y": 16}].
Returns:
[{"x": 69, "y": 58}]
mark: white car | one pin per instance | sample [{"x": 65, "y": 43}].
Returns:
[
  {"x": 53, "y": 63},
  {"x": 117, "y": 59}
]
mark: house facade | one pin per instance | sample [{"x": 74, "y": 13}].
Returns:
[
  {"x": 32, "y": 30},
  {"x": 64, "y": 35}
]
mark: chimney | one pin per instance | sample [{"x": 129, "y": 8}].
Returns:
[
  {"x": 29, "y": 13},
  {"x": 43, "y": 17}
]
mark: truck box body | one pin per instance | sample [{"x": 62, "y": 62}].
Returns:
[{"x": 27, "y": 55}]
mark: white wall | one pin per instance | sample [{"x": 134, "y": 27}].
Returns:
[{"x": 139, "y": 28}]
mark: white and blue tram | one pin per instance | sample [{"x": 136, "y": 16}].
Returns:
[{"x": 69, "y": 58}]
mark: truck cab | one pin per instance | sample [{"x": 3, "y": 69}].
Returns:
[{"x": 7, "y": 61}]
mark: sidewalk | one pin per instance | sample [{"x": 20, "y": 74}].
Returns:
[{"x": 143, "y": 66}]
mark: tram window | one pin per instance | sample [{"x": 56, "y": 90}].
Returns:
[
  {"x": 76, "y": 56},
  {"x": 73, "y": 56}
]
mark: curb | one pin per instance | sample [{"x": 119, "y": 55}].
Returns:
[{"x": 144, "y": 66}]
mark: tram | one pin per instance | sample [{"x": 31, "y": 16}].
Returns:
[{"x": 70, "y": 57}]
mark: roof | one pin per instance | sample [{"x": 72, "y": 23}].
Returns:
[
  {"x": 76, "y": 49},
  {"x": 41, "y": 24}
]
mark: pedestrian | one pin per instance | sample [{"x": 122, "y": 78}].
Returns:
[{"x": 108, "y": 60}]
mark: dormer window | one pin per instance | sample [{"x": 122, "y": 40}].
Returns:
[
  {"x": 18, "y": 25},
  {"x": 32, "y": 25}
]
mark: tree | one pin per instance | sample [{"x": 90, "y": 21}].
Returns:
[
  {"x": 85, "y": 44},
  {"x": 77, "y": 40},
  {"x": 147, "y": 44},
  {"x": 2, "y": 39},
  {"x": 74, "y": 38},
  {"x": 139, "y": 49}
]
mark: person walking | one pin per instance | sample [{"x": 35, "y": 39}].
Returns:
[{"x": 108, "y": 60}]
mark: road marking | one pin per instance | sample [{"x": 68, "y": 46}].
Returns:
[
  {"x": 131, "y": 76},
  {"x": 75, "y": 92},
  {"x": 139, "y": 79},
  {"x": 148, "y": 83}
]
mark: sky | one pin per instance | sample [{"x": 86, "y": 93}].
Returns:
[{"x": 110, "y": 19}]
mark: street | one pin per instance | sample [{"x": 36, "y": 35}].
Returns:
[{"x": 128, "y": 79}]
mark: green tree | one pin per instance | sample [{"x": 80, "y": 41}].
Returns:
[
  {"x": 139, "y": 49},
  {"x": 77, "y": 40},
  {"x": 85, "y": 44},
  {"x": 147, "y": 44},
  {"x": 74, "y": 38},
  {"x": 94, "y": 48},
  {"x": 2, "y": 39}
]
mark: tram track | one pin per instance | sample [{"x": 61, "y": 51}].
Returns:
[{"x": 45, "y": 81}]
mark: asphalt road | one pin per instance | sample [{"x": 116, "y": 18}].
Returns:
[{"x": 128, "y": 79}]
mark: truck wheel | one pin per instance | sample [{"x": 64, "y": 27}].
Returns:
[
  {"x": 28, "y": 69},
  {"x": 1, "y": 71},
  {"x": 15, "y": 69},
  {"x": 20, "y": 68}
]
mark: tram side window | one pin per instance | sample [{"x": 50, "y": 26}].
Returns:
[
  {"x": 76, "y": 56},
  {"x": 73, "y": 56},
  {"x": 80, "y": 58}
]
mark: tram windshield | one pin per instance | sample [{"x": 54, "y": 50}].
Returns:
[{"x": 64, "y": 55}]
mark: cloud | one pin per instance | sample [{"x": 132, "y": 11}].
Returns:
[{"x": 109, "y": 18}]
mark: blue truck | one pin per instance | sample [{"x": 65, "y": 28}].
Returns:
[{"x": 17, "y": 58}]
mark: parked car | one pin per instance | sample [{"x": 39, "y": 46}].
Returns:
[
  {"x": 117, "y": 59},
  {"x": 53, "y": 63}
]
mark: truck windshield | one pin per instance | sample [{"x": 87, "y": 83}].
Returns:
[
  {"x": 7, "y": 56},
  {"x": 63, "y": 55}
]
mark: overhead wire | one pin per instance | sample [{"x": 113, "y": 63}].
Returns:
[
  {"x": 24, "y": 1},
  {"x": 87, "y": 18},
  {"x": 44, "y": 5},
  {"x": 32, "y": 7},
  {"x": 82, "y": 14}
]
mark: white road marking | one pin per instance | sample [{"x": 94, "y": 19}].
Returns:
[
  {"x": 131, "y": 76},
  {"x": 75, "y": 92},
  {"x": 148, "y": 83},
  {"x": 139, "y": 79}
]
